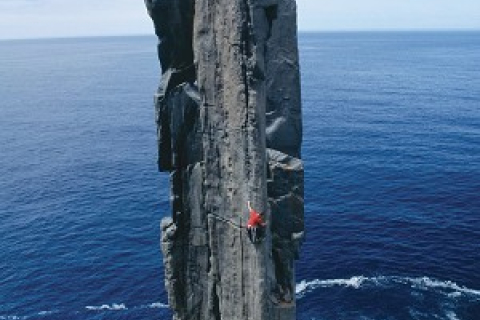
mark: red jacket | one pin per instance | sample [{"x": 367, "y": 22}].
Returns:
[{"x": 255, "y": 219}]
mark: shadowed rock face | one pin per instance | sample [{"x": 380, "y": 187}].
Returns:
[
  {"x": 174, "y": 28},
  {"x": 229, "y": 130}
]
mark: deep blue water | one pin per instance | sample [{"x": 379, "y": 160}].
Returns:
[{"x": 392, "y": 154}]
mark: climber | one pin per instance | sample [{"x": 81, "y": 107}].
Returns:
[{"x": 255, "y": 225}]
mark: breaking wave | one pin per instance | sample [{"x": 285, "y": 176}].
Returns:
[{"x": 423, "y": 283}]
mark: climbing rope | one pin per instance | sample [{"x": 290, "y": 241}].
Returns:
[{"x": 233, "y": 224}]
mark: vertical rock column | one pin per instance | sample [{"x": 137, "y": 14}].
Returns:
[{"x": 229, "y": 89}]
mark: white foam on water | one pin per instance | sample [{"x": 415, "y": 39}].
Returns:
[
  {"x": 357, "y": 282},
  {"x": 426, "y": 282},
  {"x": 41, "y": 313},
  {"x": 455, "y": 294},
  {"x": 46, "y": 313},
  {"x": 306, "y": 286},
  {"x": 155, "y": 305},
  {"x": 158, "y": 305},
  {"x": 452, "y": 315},
  {"x": 113, "y": 307},
  {"x": 104, "y": 307},
  {"x": 354, "y": 282}
]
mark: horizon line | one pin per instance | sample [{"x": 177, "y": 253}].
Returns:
[{"x": 384, "y": 30}]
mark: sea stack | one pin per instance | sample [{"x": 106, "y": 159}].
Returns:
[{"x": 228, "y": 111}]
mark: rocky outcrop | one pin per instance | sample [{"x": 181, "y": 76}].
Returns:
[{"x": 229, "y": 130}]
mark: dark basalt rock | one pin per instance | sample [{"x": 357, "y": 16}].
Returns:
[
  {"x": 176, "y": 114},
  {"x": 230, "y": 89},
  {"x": 285, "y": 196},
  {"x": 173, "y": 21}
]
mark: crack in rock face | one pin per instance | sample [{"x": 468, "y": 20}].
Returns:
[{"x": 229, "y": 125}]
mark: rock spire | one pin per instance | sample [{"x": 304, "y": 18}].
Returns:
[{"x": 228, "y": 112}]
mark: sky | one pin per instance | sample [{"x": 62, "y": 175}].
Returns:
[{"x": 64, "y": 18}]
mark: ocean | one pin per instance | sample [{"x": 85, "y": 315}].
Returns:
[{"x": 392, "y": 179}]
